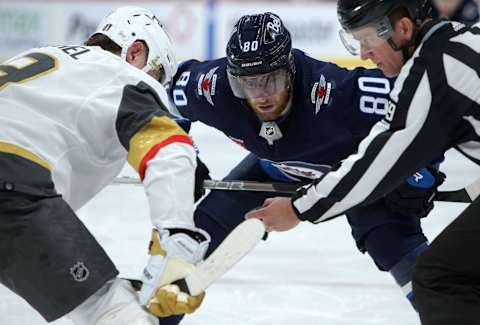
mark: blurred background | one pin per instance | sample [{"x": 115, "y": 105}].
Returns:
[{"x": 199, "y": 28}]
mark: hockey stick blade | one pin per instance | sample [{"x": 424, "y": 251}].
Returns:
[
  {"x": 237, "y": 244},
  {"x": 463, "y": 195}
]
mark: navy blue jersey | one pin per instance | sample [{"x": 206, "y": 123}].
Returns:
[{"x": 332, "y": 110}]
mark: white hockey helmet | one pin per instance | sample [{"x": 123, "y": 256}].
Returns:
[{"x": 128, "y": 24}]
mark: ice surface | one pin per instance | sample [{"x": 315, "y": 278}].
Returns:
[{"x": 312, "y": 275}]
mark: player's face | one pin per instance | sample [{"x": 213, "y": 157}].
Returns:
[
  {"x": 266, "y": 93},
  {"x": 386, "y": 59},
  {"x": 269, "y": 108},
  {"x": 372, "y": 42},
  {"x": 365, "y": 37}
]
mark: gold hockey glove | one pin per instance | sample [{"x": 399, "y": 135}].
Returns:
[{"x": 173, "y": 254}]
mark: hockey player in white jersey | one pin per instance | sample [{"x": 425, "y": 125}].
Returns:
[{"x": 71, "y": 116}]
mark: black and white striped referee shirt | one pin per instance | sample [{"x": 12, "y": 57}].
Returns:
[{"x": 434, "y": 106}]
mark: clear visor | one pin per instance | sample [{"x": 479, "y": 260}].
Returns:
[
  {"x": 259, "y": 85},
  {"x": 366, "y": 37}
]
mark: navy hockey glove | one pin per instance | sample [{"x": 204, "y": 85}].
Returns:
[
  {"x": 201, "y": 173},
  {"x": 416, "y": 195}
]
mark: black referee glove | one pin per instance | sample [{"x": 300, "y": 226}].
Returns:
[{"x": 415, "y": 197}]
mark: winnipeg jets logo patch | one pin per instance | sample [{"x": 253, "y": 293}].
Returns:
[
  {"x": 320, "y": 93},
  {"x": 295, "y": 170},
  {"x": 207, "y": 84}
]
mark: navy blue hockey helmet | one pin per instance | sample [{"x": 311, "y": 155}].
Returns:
[
  {"x": 259, "y": 44},
  {"x": 259, "y": 57}
]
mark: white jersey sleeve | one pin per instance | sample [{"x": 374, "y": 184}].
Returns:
[{"x": 85, "y": 112}]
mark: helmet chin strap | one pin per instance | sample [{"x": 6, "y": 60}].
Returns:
[
  {"x": 405, "y": 54},
  {"x": 404, "y": 48}
]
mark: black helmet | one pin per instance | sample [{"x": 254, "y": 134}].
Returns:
[
  {"x": 353, "y": 14},
  {"x": 259, "y": 44}
]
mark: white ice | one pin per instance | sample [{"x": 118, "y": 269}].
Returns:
[{"x": 312, "y": 275}]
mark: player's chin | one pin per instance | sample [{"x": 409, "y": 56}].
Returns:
[
  {"x": 268, "y": 116},
  {"x": 388, "y": 70}
]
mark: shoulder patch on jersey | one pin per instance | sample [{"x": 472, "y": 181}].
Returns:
[
  {"x": 294, "y": 170},
  {"x": 207, "y": 84},
  {"x": 320, "y": 93}
]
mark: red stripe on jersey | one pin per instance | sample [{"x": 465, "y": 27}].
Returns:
[{"x": 156, "y": 148}]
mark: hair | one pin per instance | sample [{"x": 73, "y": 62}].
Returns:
[
  {"x": 398, "y": 14},
  {"x": 104, "y": 42},
  {"x": 107, "y": 44}
]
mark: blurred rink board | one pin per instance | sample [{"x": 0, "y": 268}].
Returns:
[
  {"x": 25, "y": 24},
  {"x": 200, "y": 29},
  {"x": 314, "y": 27}
]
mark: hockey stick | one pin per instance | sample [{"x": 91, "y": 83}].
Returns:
[
  {"x": 233, "y": 248},
  {"x": 237, "y": 244},
  {"x": 286, "y": 188},
  {"x": 466, "y": 195},
  {"x": 463, "y": 195}
]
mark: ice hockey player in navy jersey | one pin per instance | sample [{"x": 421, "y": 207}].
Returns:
[{"x": 298, "y": 117}]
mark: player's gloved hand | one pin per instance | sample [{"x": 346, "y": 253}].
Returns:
[
  {"x": 173, "y": 254},
  {"x": 201, "y": 173},
  {"x": 415, "y": 197}
]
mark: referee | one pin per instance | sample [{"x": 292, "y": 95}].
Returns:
[{"x": 434, "y": 106}]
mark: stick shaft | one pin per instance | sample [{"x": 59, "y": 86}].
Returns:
[{"x": 463, "y": 195}]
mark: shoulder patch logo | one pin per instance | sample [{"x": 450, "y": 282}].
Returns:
[
  {"x": 79, "y": 272},
  {"x": 320, "y": 93},
  {"x": 295, "y": 169},
  {"x": 207, "y": 84}
]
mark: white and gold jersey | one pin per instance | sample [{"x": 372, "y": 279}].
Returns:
[{"x": 82, "y": 112}]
